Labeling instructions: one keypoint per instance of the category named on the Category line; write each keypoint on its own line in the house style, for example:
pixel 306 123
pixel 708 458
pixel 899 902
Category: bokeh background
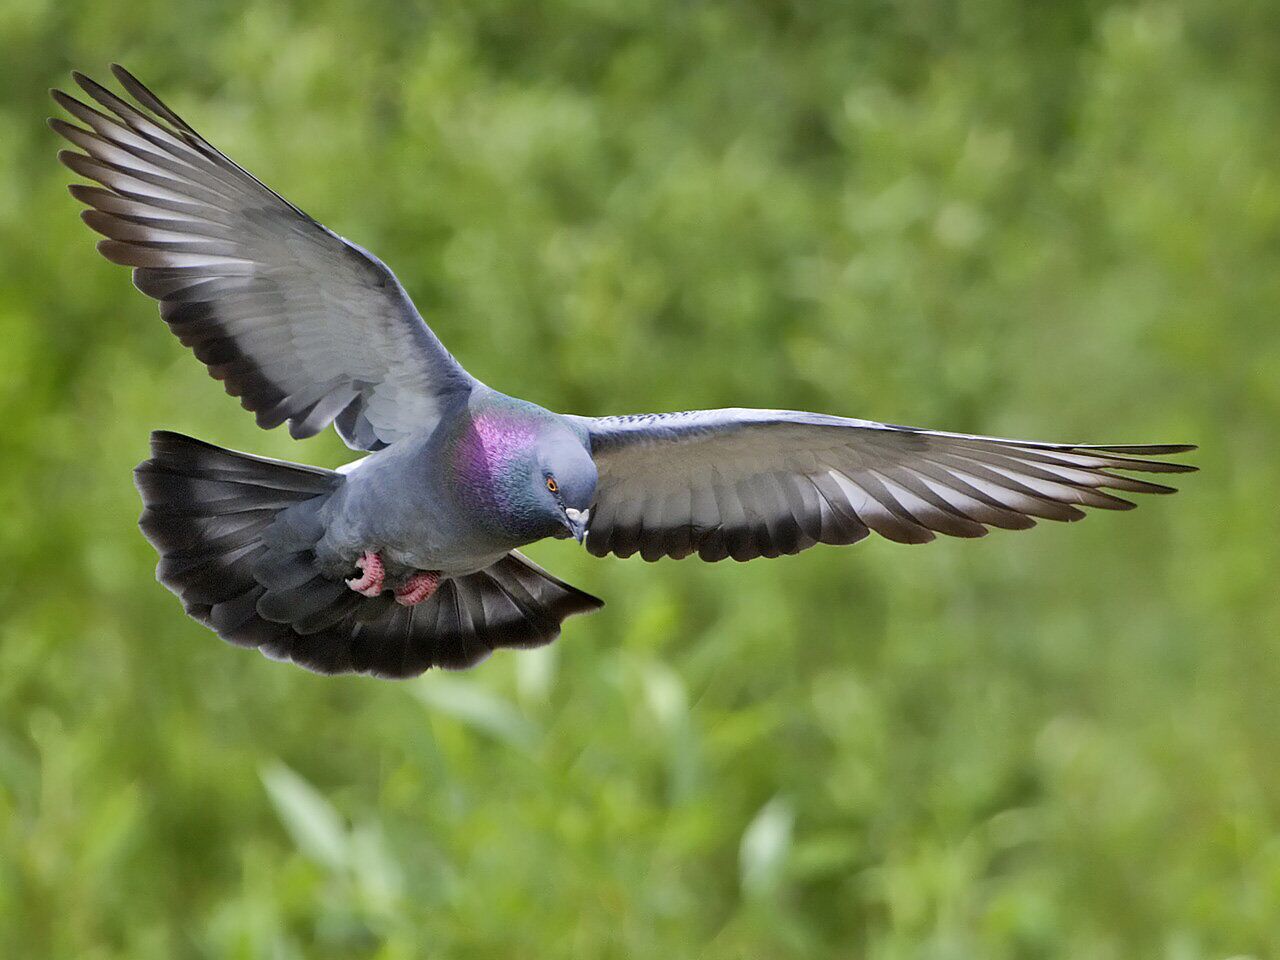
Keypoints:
pixel 1058 221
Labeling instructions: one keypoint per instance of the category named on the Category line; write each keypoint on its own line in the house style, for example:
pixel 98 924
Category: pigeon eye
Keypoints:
pixel 552 485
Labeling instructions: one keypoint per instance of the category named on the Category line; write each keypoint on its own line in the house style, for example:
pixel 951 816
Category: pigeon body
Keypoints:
pixel 458 497
pixel 409 558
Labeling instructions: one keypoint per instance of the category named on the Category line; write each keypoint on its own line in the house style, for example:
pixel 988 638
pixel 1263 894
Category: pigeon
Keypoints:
pixel 409 558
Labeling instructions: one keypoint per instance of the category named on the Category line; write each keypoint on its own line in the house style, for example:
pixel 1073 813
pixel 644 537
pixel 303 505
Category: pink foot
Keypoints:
pixel 370 584
pixel 417 588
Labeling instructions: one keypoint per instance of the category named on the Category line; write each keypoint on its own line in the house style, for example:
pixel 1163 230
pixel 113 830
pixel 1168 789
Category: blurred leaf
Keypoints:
pixel 536 673
pixel 316 827
pixel 375 869
pixel 477 707
pixel 766 843
pixel 665 694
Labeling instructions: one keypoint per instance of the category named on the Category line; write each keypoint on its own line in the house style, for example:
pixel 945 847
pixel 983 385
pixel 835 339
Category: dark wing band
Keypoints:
pixel 752 483
pixel 298 323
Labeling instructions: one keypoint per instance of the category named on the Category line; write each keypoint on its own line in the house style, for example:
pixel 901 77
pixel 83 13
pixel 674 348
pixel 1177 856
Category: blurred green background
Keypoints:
pixel 1059 221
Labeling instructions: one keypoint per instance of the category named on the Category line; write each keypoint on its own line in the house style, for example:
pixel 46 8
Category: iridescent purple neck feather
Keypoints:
pixel 501 457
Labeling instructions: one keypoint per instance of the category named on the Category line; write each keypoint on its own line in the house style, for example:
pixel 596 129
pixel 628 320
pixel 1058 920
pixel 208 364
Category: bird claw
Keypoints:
pixel 417 588
pixel 373 573
pixel 372 580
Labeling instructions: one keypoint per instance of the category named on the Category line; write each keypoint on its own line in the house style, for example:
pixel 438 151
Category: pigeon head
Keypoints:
pixel 527 472
pixel 563 480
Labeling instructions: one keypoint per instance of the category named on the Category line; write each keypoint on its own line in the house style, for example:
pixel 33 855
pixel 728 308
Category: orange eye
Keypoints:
pixel 552 485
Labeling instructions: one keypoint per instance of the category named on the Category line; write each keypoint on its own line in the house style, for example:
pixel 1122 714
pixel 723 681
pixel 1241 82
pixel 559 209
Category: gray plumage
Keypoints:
pixel 238 536
pixel 309 329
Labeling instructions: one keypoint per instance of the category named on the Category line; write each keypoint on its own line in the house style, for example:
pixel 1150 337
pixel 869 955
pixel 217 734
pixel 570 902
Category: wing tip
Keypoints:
pixel 84 192
pixel 1157 449
pixel 89 85
pixel 63 99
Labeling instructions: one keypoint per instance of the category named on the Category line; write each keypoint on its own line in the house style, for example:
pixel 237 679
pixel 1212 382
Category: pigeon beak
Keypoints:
pixel 576 521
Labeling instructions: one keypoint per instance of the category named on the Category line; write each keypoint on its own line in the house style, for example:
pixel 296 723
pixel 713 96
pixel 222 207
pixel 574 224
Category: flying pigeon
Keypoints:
pixel 409 558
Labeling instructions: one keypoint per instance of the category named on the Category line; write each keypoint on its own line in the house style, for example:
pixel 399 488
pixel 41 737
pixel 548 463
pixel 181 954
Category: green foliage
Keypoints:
pixel 1049 220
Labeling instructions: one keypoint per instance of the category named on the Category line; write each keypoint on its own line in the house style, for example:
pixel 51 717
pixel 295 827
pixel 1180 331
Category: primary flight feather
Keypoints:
pixel 410 557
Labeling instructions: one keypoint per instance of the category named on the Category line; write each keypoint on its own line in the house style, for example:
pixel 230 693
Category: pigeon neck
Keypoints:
pixel 492 457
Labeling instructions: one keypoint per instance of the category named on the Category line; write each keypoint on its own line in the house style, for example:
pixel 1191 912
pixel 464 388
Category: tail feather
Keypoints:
pixel 236 536
pixel 209 512
pixel 513 603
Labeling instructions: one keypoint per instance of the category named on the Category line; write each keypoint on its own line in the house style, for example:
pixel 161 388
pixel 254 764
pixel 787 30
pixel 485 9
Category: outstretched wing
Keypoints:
pixel 752 483
pixel 300 324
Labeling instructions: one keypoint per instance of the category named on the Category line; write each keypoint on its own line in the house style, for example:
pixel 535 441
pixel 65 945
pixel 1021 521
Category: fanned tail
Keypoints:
pixel 236 536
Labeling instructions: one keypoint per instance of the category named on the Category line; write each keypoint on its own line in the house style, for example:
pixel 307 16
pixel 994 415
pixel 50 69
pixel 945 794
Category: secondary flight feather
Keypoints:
pixel 410 558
